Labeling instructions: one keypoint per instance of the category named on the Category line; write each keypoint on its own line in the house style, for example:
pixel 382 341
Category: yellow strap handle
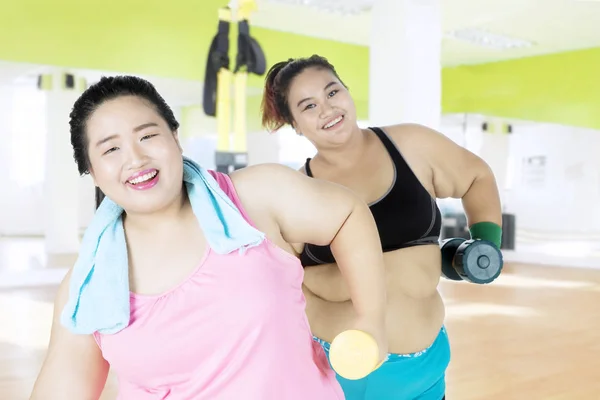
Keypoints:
pixel 245 8
pixel 224 77
pixel 239 124
pixel 225 14
pixel 223 108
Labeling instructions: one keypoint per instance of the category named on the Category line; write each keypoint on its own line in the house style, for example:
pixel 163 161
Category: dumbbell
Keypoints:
pixel 475 260
pixel 354 354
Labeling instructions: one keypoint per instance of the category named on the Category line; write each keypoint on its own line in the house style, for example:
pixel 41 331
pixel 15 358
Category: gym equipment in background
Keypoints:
pixel 231 151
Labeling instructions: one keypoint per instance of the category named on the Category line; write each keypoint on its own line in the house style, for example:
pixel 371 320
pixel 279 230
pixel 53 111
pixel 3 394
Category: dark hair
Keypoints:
pixel 274 107
pixel 109 88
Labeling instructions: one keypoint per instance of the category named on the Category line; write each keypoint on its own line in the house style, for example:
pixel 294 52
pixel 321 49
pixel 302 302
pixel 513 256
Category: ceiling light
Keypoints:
pixel 484 38
pixel 344 7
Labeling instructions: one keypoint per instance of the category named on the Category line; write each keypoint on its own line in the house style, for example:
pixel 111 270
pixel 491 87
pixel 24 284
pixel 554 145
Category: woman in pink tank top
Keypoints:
pixel 205 325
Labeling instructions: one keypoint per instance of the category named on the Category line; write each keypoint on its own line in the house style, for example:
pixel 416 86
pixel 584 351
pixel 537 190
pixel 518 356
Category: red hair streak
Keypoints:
pixel 272 120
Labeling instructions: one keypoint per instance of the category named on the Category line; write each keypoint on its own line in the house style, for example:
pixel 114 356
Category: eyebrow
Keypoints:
pixel 144 126
pixel 106 139
pixel 330 84
pixel 135 130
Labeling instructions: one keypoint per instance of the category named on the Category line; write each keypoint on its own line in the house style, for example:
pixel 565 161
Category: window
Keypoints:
pixel 28 144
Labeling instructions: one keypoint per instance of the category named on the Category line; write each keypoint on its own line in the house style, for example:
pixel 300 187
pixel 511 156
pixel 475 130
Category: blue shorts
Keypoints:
pixel 413 376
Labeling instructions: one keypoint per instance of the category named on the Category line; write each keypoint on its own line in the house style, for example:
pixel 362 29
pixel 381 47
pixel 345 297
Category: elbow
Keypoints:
pixel 355 220
pixel 482 178
pixel 489 179
pixel 486 177
pixel 482 185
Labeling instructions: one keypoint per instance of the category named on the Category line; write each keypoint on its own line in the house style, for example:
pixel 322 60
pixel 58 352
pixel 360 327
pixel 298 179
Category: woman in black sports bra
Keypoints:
pixel 399 171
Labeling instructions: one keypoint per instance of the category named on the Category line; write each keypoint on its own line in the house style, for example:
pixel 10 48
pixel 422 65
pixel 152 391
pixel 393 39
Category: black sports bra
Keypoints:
pixel 406 215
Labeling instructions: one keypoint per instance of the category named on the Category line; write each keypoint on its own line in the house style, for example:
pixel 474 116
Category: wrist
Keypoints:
pixel 374 326
pixel 373 323
pixel 487 231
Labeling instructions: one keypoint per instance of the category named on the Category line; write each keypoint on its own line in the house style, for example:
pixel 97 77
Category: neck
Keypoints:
pixel 346 155
pixel 167 219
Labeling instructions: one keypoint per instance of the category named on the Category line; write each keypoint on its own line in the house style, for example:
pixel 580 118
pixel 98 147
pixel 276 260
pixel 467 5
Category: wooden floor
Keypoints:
pixel 533 335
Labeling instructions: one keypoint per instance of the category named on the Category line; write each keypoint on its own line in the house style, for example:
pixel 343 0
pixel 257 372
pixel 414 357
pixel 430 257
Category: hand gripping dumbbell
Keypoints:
pixel 476 260
pixel 354 354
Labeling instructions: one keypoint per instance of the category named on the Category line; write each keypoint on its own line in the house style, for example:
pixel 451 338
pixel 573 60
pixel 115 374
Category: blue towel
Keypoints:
pixel 99 287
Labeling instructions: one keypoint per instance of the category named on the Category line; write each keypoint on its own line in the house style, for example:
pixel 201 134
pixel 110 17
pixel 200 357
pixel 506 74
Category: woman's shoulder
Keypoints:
pixel 263 175
pixel 408 130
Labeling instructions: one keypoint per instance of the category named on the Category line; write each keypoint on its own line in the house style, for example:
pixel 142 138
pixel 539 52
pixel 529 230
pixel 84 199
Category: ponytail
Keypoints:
pixel 272 115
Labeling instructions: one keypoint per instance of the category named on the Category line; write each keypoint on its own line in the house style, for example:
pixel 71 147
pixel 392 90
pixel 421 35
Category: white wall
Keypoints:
pixel 551 179
pixel 22 160
pixel 21 209
pixel 561 194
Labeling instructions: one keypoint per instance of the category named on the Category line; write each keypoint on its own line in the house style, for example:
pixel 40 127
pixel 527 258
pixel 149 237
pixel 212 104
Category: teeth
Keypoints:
pixel 332 123
pixel 143 178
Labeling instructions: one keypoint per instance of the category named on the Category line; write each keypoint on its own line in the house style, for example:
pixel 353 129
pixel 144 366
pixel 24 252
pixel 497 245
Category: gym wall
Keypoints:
pixel 172 39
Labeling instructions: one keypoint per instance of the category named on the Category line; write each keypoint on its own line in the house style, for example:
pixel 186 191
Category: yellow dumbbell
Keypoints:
pixel 354 354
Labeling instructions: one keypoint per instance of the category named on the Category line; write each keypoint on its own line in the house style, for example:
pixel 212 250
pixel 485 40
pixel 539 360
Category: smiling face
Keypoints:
pixel 322 109
pixel 135 158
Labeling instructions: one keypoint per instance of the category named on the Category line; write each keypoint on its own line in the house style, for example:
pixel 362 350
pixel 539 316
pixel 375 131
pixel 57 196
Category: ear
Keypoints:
pixel 176 137
pixel 93 177
pixel 295 127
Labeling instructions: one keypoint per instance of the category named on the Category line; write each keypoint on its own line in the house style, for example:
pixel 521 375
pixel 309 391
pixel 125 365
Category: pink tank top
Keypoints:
pixel 236 328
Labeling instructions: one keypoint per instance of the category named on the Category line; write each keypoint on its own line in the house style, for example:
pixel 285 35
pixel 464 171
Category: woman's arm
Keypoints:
pixel 74 367
pixel 457 172
pixel 313 211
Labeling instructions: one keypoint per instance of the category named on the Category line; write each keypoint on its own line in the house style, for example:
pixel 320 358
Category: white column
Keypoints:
pixel 61 205
pixel 494 149
pixel 6 115
pixel 404 62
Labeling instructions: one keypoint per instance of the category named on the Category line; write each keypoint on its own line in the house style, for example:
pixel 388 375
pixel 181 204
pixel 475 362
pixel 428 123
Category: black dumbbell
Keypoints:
pixel 475 260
